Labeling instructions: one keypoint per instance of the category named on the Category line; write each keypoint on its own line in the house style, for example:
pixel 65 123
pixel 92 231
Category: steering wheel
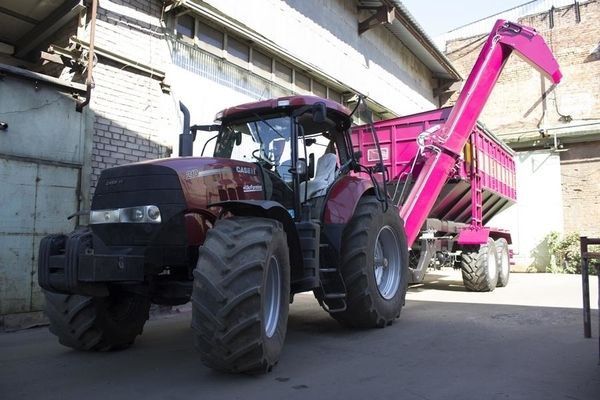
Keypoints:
pixel 263 159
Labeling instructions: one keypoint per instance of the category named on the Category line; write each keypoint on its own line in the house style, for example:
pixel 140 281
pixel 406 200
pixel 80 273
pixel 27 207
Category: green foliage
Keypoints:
pixel 565 254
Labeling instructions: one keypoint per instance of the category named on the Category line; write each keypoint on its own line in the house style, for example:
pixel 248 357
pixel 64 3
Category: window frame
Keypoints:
pixel 250 66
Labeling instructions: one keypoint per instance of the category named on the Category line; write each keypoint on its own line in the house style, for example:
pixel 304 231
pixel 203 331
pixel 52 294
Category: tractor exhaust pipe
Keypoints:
pixel 186 139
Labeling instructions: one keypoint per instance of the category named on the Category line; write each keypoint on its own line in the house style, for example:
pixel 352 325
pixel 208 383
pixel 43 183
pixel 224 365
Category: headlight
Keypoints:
pixel 129 215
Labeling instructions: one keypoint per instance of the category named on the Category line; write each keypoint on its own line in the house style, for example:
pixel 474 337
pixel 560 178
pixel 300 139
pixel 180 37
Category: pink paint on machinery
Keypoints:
pixel 443 148
pixel 483 174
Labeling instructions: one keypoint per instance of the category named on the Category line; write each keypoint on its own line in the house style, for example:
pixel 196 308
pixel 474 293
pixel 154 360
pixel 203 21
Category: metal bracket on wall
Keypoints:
pixel 383 15
pixel 142 67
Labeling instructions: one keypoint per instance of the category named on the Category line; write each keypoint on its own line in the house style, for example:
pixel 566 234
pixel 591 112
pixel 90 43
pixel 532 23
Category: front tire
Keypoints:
pixel 374 266
pixel 97 323
pixel 241 292
pixel 479 268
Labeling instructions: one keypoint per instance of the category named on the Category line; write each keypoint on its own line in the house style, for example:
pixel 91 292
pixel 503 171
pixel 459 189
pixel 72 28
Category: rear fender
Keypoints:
pixel 339 208
pixel 343 198
pixel 272 210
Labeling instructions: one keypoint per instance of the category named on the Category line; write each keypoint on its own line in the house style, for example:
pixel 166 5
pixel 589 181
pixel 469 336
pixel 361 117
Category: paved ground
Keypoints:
pixel 520 342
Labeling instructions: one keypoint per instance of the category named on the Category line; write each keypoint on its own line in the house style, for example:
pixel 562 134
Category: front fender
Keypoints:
pixel 272 210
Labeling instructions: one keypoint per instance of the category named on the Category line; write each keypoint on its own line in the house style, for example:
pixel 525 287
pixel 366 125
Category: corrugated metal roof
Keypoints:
pixel 24 23
pixel 406 28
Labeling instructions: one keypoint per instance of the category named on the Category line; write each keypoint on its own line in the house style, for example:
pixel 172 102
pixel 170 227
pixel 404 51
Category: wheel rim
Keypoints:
pixel 505 262
pixel 272 297
pixel 492 265
pixel 387 263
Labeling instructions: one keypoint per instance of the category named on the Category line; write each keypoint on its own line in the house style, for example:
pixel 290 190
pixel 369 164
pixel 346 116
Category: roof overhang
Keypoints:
pixel 25 24
pixel 408 31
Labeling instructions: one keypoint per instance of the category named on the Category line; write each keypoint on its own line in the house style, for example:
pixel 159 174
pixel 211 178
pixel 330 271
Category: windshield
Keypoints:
pixel 267 141
pixel 264 140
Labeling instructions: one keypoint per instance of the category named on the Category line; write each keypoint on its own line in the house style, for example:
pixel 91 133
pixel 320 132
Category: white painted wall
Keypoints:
pixel 324 33
pixel 538 210
pixel 204 98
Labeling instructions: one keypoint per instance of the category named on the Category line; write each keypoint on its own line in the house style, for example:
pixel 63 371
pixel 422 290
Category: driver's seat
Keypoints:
pixel 324 177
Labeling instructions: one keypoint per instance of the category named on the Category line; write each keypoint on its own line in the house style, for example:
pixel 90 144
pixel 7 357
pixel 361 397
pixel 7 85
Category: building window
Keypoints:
pixel 185 26
pixel 335 96
pixel 217 41
pixel 302 81
pixel 283 72
pixel 262 61
pixel 319 89
pixel 211 36
pixel 238 49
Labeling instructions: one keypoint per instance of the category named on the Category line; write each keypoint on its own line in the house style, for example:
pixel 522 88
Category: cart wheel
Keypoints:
pixel 479 268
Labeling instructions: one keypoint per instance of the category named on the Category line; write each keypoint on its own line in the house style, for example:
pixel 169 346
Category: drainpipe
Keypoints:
pixel 89 80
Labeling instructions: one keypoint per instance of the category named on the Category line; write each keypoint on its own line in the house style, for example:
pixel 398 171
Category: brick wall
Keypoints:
pixel 134 119
pixel 512 107
pixel 580 174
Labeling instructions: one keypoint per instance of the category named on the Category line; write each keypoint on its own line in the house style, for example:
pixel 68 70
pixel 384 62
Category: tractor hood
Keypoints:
pixel 181 188
pixel 200 180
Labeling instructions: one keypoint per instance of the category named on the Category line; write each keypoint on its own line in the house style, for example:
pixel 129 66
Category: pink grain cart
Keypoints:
pixel 449 175
pixel 484 176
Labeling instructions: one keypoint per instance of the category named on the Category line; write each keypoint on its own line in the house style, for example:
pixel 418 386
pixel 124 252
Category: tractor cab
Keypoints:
pixel 300 145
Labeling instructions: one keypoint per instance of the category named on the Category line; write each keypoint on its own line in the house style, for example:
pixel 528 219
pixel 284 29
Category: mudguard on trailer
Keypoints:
pixel 479 236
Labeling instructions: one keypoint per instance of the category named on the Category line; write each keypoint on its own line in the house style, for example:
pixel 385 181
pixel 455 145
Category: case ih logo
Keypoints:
pixel 245 170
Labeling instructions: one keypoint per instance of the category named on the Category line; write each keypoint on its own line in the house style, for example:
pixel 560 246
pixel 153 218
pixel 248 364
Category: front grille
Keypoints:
pixel 136 185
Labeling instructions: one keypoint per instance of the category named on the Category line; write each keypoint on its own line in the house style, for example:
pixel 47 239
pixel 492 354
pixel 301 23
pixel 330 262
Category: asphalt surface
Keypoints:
pixel 520 342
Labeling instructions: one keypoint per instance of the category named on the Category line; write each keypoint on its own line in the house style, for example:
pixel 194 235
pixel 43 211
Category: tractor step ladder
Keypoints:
pixel 332 287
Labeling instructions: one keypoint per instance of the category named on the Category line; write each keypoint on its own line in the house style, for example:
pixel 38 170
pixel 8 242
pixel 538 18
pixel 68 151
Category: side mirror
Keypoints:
pixel 301 168
pixel 319 113
pixel 238 138
pixel 311 165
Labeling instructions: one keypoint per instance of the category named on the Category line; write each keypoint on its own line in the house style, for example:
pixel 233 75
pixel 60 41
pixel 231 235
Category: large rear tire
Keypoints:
pixel 374 266
pixel 97 323
pixel 503 261
pixel 241 294
pixel 479 268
